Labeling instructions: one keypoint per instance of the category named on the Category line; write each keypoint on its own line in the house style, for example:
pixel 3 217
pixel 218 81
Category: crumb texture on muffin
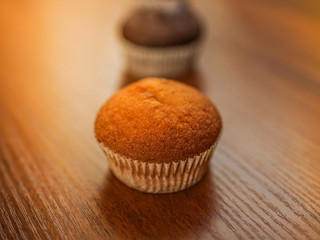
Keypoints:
pixel 158 120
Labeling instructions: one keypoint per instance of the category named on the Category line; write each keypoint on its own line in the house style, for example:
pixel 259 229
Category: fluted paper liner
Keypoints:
pixel 171 61
pixel 158 177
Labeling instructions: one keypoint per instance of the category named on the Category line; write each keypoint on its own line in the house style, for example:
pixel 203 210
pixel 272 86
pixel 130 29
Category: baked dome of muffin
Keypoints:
pixel 158 120
pixel 155 27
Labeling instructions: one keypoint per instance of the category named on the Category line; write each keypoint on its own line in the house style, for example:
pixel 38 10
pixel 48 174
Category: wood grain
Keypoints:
pixel 260 64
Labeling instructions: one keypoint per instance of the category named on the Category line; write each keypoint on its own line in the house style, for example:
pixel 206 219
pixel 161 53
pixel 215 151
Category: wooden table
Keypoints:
pixel 260 64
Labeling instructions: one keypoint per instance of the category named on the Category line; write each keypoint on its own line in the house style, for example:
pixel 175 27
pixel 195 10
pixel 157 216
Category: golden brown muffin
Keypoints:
pixel 159 122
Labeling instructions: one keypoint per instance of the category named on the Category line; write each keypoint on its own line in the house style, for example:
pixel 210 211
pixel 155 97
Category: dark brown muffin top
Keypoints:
pixel 158 120
pixel 156 27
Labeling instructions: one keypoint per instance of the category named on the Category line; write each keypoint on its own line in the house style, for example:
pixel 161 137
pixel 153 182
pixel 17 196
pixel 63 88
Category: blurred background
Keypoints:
pixel 75 42
pixel 69 51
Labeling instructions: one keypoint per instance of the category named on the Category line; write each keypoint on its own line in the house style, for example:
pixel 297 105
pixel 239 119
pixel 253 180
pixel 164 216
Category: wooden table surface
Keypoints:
pixel 260 64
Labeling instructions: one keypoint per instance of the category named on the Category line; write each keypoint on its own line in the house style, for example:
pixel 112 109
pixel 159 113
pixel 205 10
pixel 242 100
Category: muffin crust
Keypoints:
pixel 158 120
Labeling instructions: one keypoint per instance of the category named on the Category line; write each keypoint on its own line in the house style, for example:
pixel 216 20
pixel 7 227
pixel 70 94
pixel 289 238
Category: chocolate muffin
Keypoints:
pixel 160 28
pixel 161 41
pixel 158 134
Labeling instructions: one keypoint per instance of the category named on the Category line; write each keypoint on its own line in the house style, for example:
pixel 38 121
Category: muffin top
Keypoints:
pixel 155 27
pixel 158 120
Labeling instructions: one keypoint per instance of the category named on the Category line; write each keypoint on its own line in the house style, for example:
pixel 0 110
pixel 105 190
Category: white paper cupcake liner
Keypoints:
pixel 158 177
pixel 168 62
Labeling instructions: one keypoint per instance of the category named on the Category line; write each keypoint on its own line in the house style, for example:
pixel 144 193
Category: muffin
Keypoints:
pixel 160 40
pixel 158 134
